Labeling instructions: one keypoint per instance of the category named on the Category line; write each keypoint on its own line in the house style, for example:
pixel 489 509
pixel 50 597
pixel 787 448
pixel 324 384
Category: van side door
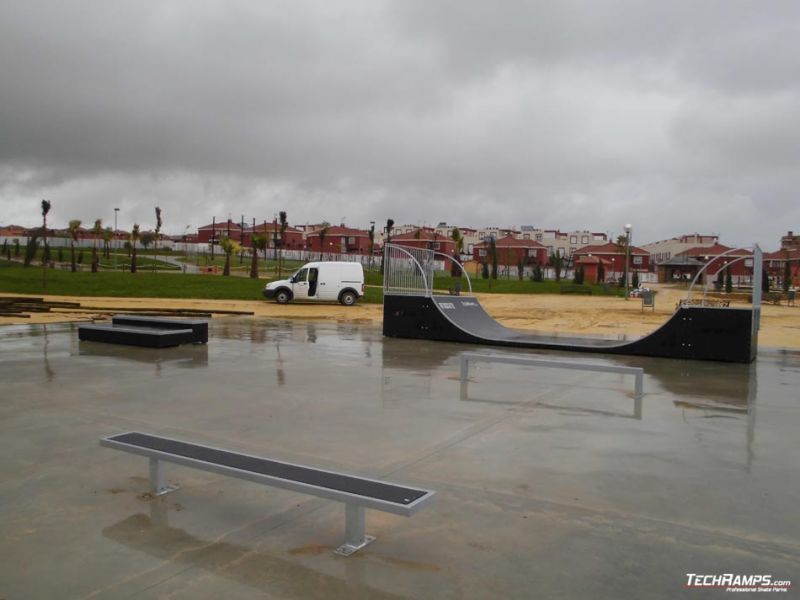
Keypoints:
pixel 300 285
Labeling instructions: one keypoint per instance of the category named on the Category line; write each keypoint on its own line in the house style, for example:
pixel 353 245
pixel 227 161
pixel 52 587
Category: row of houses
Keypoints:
pixel 677 258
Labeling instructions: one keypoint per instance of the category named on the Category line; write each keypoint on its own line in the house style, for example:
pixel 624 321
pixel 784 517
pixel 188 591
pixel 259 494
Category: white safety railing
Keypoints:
pixel 408 270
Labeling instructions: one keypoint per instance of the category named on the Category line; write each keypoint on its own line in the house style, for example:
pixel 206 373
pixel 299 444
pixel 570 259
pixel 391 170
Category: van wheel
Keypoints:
pixel 348 298
pixel 282 297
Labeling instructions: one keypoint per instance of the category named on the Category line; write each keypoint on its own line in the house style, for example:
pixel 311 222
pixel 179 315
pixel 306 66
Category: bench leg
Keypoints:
pixel 354 537
pixel 158 479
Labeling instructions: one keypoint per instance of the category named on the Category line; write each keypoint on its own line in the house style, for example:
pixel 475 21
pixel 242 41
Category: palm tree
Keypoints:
pixel 158 231
pixel 135 235
pixel 284 225
pixel 458 240
pixel 45 210
pixel 97 231
pixel 322 233
pixel 230 247
pixel 259 242
pixel 371 243
pixel 388 240
pixel 74 230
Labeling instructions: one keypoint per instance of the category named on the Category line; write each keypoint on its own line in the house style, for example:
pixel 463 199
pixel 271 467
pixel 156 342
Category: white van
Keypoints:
pixel 322 282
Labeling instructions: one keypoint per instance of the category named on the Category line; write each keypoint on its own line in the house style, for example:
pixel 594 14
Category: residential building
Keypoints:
pixel 293 238
pixel 790 241
pixel 339 240
pixel 664 250
pixel 511 251
pixel 740 261
pixel 426 237
pixel 216 230
pixel 613 256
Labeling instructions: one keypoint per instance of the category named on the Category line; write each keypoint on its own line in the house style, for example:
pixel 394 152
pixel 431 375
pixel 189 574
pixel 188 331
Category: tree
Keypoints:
pixel 108 235
pixel 579 275
pixel 520 269
pixel 322 233
pixel 229 247
pixel 728 280
pixel 493 256
pixel 485 270
pixel 601 272
pixel 135 235
pixel 388 240
pixel 371 234
pixel 635 281
pixel 764 281
pixel 458 241
pixel 30 248
pixel 97 231
pixel 284 224
pixel 157 234
pixel 787 275
pixel 46 254
pixel 16 247
pixel 147 239
pixel 74 231
pixel 557 262
pixel 259 242
pixel 537 274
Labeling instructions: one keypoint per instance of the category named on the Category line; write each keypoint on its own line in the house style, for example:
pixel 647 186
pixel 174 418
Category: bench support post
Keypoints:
pixel 354 536
pixel 158 479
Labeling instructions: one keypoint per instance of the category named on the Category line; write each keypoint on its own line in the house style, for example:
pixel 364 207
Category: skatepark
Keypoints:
pixel 546 480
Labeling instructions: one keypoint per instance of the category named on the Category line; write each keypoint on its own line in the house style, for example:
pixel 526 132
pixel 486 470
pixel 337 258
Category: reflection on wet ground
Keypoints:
pixel 553 481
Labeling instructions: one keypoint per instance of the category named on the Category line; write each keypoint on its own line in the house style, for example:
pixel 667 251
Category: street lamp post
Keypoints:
pixel 628 228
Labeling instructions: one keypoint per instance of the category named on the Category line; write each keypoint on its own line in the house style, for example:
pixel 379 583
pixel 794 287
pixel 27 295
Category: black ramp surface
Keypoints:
pixel 699 333
pixel 467 313
pixel 343 483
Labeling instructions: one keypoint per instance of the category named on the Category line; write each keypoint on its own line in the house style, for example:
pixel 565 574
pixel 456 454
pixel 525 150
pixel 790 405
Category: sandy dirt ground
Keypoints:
pixel 604 316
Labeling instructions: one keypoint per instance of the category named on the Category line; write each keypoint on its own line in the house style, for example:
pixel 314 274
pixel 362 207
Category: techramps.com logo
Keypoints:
pixel 737 583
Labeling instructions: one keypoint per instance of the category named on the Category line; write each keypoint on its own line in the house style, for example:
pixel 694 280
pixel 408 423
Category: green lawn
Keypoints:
pixel 443 281
pixel 144 284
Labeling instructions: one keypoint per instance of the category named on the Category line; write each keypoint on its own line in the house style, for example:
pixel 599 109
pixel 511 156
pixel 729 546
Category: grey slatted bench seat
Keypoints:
pixel 357 493
pixel 135 336
pixel 198 326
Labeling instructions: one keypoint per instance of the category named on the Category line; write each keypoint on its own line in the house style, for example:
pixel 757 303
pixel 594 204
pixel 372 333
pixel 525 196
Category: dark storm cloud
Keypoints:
pixel 676 116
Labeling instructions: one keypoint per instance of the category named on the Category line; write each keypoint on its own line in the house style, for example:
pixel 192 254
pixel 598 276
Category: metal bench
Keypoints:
pixel 357 493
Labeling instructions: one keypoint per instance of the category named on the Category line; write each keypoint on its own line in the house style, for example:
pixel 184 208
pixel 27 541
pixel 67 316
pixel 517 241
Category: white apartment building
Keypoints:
pixel 664 250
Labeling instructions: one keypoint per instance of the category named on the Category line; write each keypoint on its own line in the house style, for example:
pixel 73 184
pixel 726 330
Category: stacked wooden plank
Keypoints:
pixel 23 306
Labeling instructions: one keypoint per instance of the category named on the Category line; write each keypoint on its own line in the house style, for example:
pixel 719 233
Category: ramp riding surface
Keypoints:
pixel 692 332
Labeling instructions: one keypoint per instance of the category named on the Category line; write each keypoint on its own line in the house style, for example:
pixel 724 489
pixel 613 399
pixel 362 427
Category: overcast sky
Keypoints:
pixel 674 116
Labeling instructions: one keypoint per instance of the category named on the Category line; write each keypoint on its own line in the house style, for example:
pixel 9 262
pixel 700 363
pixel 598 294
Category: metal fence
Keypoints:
pixel 407 270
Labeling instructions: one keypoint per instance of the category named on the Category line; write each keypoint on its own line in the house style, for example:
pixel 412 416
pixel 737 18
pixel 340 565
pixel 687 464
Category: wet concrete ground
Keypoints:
pixel 551 483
